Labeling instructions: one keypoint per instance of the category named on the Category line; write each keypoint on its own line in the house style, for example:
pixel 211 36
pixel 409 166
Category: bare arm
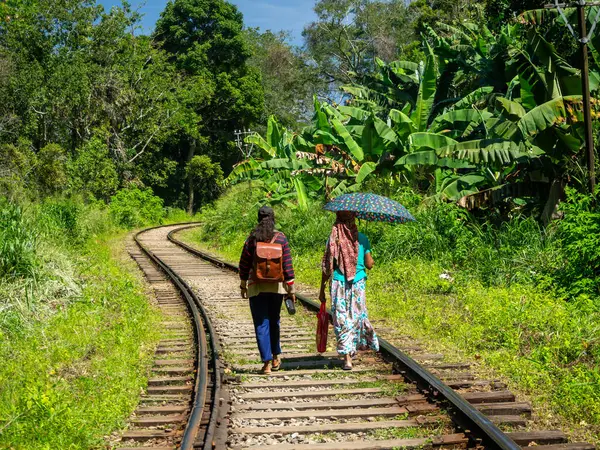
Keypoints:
pixel 369 261
pixel 322 296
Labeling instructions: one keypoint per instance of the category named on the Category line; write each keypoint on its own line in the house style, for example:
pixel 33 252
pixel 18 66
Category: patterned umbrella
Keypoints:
pixel 374 208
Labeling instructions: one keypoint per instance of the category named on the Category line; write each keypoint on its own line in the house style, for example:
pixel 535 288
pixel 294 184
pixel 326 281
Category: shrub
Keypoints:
pixel 93 171
pixel 134 207
pixel 16 163
pixel 17 243
pixel 51 169
pixel 579 236
pixel 59 217
pixel 207 179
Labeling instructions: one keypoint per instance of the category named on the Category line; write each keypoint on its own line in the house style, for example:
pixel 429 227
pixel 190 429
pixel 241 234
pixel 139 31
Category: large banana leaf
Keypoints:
pixel 372 143
pixel 455 189
pixel 358 114
pixel 346 138
pixel 301 193
pixel 366 169
pixel 267 150
pixel 274 132
pixel 459 119
pixel 514 111
pixel 426 96
pixel 409 66
pixel 326 138
pixel 385 133
pixel 403 125
pixel 430 158
pixel 245 170
pixel 320 117
pixel 430 140
pixel 286 164
pixel 489 151
pixel 549 114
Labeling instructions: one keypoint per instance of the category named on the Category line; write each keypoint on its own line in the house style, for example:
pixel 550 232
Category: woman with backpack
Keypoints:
pixel 346 259
pixel 267 275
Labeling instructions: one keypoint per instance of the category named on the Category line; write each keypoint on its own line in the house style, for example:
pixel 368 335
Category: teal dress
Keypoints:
pixel 349 309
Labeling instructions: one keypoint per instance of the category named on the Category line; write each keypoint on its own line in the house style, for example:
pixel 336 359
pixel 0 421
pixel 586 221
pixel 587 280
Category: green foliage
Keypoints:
pixel 134 207
pixel 207 179
pixel 579 235
pixel 75 357
pixel 93 171
pixel 51 169
pixel 17 243
pixel 204 41
pixel 17 164
pixel 289 81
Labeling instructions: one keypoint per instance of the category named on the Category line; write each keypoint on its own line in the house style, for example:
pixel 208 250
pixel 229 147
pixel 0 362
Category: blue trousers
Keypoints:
pixel 266 312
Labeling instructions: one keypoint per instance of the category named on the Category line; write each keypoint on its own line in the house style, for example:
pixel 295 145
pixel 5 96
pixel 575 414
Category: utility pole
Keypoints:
pixel 583 39
pixel 240 141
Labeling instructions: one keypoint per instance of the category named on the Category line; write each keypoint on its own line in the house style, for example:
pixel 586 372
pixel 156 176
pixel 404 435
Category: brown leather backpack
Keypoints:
pixel 268 262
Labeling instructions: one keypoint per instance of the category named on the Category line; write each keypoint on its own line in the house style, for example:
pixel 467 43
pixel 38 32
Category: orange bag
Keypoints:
pixel 322 328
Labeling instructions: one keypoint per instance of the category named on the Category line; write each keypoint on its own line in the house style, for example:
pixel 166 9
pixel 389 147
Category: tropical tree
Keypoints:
pixel 220 93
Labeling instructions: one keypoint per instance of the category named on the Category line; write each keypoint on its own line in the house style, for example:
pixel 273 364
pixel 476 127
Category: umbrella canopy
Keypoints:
pixel 374 208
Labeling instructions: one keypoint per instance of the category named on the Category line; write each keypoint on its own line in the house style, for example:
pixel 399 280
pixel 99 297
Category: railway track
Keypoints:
pixel 205 390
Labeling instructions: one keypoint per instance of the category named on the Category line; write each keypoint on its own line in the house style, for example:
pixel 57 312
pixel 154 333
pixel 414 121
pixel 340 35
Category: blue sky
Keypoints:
pixel 275 15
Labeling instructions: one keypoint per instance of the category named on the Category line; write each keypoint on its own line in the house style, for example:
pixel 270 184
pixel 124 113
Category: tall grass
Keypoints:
pixel 76 331
pixel 17 243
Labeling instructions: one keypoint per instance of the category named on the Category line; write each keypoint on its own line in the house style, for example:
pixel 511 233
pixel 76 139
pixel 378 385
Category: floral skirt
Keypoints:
pixel 350 319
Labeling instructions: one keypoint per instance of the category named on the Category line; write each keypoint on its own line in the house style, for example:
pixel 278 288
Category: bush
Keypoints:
pixel 51 169
pixel 579 235
pixel 134 207
pixel 207 179
pixel 17 243
pixel 59 217
pixel 94 171
pixel 15 169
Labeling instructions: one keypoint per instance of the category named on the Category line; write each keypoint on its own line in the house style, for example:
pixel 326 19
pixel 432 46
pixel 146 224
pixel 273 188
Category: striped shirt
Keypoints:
pixel 247 258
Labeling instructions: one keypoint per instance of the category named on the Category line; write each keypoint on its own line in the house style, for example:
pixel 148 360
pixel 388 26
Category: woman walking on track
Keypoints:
pixel 347 256
pixel 267 274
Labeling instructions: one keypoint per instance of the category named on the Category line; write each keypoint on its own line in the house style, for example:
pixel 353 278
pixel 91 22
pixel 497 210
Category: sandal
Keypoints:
pixel 266 369
pixel 347 362
pixel 276 367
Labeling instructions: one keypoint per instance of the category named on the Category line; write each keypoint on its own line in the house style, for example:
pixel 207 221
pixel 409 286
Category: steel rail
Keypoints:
pixel 201 386
pixel 215 344
pixel 474 424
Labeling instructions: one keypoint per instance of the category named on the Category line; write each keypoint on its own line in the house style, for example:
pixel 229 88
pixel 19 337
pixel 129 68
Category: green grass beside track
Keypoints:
pixel 75 358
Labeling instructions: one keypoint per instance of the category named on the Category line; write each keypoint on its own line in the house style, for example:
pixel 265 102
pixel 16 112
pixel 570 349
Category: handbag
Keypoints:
pixel 322 328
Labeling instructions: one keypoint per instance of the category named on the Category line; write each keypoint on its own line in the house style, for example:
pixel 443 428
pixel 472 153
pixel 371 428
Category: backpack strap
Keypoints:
pixel 275 236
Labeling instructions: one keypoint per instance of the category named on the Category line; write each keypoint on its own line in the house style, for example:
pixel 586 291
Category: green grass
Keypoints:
pixel 76 339
pixel 500 308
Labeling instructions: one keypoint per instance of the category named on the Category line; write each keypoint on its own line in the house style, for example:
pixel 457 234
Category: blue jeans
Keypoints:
pixel 266 312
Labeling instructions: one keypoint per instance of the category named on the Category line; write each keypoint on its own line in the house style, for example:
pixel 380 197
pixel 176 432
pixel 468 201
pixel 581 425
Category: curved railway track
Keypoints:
pixel 202 396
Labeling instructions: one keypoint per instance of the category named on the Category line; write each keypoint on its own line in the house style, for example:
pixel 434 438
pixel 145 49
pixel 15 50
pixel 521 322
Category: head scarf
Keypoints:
pixel 342 247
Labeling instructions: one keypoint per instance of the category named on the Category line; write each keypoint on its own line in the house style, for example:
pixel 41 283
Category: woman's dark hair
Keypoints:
pixel 265 230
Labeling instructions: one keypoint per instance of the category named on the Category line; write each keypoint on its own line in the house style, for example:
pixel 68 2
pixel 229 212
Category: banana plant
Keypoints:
pixel 282 173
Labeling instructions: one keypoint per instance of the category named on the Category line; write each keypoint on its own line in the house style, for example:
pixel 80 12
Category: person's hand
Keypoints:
pixel 244 292
pixel 322 297
pixel 293 297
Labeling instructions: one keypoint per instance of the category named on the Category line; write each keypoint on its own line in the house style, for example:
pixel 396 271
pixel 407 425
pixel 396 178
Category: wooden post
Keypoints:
pixel 581 5
pixel 585 87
